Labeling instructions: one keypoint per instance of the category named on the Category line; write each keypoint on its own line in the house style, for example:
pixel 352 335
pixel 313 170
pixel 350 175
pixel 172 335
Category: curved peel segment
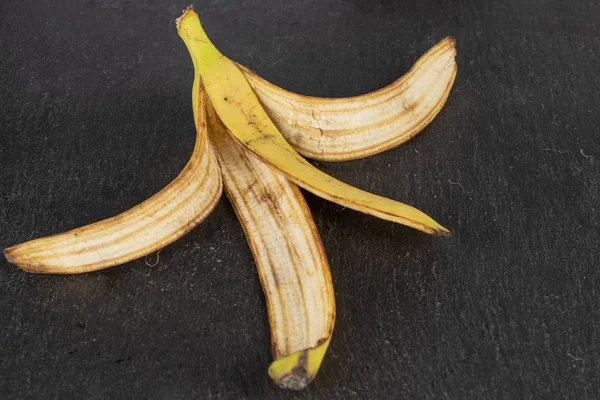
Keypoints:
pixel 356 127
pixel 238 107
pixel 289 256
pixel 145 228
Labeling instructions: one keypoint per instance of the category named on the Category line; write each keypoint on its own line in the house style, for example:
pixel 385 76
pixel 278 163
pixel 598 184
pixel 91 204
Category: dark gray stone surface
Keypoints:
pixel 95 117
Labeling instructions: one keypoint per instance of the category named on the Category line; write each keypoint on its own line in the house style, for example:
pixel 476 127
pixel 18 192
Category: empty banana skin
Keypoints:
pixel 349 128
pixel 145 228
pixel 248 136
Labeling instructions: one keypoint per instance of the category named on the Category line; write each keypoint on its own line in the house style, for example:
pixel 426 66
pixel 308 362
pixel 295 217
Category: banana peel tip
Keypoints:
pixel 14 259
pixel 443 234
pixel 7 254
pixel 298 369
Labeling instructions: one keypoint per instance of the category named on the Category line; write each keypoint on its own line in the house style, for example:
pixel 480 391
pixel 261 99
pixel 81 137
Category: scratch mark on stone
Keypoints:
pixel 556 151
pixel 583 154
pixel 462 187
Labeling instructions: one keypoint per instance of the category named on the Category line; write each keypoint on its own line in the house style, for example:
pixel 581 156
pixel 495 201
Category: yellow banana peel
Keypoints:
pixel 137 232
pixel 289 255
pixel 356 127
pixel 248 132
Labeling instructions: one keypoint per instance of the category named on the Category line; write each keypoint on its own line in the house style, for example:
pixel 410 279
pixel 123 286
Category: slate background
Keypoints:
pixel 95 117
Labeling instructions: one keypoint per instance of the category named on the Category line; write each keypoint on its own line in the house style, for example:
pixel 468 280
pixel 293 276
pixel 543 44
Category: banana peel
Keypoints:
pixel 356 127
pixel 289 255
pixel 248 132
pixel 137 232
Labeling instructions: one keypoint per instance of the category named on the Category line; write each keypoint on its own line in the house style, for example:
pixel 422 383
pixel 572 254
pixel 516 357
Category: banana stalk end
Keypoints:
pixel 298 369
pixel 189 9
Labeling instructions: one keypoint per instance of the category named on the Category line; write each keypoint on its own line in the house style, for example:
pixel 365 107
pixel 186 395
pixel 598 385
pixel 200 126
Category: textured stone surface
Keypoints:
pixel 95 117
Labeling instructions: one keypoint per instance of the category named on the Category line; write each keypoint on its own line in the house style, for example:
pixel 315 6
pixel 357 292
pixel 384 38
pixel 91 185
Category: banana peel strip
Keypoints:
pixel 289 255
pixel 341 129
pixel 139 231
